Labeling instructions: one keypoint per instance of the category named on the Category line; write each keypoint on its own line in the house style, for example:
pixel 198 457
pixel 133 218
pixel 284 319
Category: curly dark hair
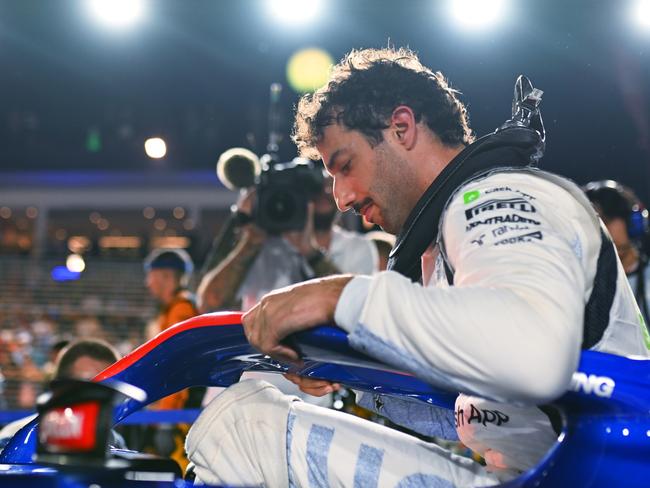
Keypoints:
pixel 365 88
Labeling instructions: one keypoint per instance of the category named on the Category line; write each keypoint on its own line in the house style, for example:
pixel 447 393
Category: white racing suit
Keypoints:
pixel 523 247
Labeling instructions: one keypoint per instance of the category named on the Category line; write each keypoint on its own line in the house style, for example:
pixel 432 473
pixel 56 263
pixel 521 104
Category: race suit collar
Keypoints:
pixel 513 147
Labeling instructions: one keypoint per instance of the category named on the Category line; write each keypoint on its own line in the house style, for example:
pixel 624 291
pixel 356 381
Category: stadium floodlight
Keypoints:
pixel 641 13
pixel 117 13
pixel 155 148
pixel 294 11
pixel 477 13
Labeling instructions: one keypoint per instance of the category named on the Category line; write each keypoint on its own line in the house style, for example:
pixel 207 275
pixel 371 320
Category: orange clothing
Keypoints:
pixel 181 308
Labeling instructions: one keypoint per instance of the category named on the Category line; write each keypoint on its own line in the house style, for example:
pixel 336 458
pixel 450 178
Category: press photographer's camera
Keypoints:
pixel 283 189
pixel 283 192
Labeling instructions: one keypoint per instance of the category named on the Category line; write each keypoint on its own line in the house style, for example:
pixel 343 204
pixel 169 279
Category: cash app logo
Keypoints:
pixel 470 196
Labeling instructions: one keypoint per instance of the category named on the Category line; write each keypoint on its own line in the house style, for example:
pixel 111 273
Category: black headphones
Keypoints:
pixel 616 200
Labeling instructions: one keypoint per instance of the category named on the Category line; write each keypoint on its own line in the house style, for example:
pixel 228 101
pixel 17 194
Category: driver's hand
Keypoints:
pixel 251 236
pixel 287 310
pixel 311 386
pixel 246 200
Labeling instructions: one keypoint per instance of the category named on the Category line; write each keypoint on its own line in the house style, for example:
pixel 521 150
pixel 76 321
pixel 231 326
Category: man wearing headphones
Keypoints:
pixel 168 272
pixel 626 219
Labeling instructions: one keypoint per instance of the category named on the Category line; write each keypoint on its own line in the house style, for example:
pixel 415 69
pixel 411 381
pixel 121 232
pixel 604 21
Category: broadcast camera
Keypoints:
pixel 283 189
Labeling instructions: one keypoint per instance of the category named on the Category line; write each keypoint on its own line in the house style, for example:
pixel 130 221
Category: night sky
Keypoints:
pixel 198 72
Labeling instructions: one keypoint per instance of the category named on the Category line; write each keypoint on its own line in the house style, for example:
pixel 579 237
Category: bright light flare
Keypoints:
pixel 641 13
pixel 75 263
pixel 477 13
pixel 155 148
pixel 117 13
pixel 308 69
pixel 294 11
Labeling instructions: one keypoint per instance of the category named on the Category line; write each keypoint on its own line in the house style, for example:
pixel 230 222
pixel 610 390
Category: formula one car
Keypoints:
pixel 604 442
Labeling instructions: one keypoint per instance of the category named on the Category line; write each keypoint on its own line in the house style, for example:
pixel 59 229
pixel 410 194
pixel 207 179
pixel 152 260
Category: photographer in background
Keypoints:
pixel 626 219
pixel 286 234
pixel 268 254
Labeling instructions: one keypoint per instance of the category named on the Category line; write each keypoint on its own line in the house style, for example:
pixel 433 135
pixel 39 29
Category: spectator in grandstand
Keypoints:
pixel 8 370
pixel 49 368
pixel 89 327
pixel 22 375
pixel 43 331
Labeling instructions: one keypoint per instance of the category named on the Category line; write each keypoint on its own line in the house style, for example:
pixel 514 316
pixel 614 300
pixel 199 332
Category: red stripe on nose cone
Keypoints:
pixel 216 319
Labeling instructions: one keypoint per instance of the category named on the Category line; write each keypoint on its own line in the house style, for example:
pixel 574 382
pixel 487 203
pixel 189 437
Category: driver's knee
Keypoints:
pixel 243 403
pixel 242 422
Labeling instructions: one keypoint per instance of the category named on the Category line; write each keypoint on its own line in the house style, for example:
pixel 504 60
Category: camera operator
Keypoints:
pixel 260 262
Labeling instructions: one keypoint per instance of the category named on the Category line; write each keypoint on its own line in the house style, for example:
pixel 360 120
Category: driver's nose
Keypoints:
pixel 343 195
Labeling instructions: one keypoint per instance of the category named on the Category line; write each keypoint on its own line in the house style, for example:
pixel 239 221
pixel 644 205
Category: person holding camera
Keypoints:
pixel 262 261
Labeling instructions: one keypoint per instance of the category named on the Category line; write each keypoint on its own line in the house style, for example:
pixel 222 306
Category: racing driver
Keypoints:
pixel 500 275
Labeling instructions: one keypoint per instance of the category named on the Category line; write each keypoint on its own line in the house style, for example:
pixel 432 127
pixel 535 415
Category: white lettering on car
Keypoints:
pixel 601 386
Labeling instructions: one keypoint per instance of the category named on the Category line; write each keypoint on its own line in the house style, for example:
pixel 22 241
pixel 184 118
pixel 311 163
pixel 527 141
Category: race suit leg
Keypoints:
pixel 253 435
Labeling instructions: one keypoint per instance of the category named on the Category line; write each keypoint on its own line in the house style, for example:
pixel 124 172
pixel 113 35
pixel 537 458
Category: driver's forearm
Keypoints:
pixel 460 339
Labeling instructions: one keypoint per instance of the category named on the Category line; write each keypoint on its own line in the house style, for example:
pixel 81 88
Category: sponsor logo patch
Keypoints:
pixel 480 416
pixel 507 188
pixel 70 429
pixel 601 386
pixel 519 204
pixel 478 241
pixel 470 196
pixel 502 219
pixel 504 229
pixel 531 236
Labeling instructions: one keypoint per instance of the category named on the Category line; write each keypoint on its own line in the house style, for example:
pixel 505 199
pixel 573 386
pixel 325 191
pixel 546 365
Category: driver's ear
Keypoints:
pixel 404 126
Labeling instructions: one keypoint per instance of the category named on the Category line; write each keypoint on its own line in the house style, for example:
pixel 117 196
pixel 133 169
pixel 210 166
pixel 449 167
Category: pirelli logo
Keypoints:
pixel 519 204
